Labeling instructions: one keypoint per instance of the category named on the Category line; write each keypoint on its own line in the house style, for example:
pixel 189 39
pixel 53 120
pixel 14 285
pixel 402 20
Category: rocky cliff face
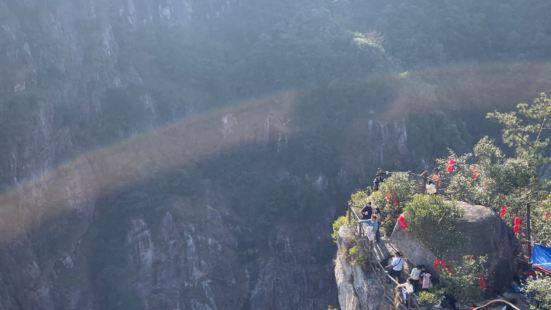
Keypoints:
pixel 358 288
pixel 163 155
pixel 161 217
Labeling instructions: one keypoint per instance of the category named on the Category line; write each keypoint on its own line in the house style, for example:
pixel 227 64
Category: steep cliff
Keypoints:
pixel 358 288
pixel 191 154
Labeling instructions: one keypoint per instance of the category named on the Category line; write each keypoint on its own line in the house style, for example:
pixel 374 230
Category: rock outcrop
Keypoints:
pixel 483 232
pixel 359 289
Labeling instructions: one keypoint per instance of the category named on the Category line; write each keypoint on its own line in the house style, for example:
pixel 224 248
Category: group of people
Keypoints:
pixel 419 277
pixel 370 222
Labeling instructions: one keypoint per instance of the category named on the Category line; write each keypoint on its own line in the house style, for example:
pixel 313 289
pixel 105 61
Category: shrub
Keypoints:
pixel 539 289
pixel 387 225
pixel 541 223
pixel 356 254
pixel 337 225
pixel 463 281
pixel 432 297
pixel 359 199
pixel 434 223
pixel 400 188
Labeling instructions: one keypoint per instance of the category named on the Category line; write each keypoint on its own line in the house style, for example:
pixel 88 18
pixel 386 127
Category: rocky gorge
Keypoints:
pixel 174 155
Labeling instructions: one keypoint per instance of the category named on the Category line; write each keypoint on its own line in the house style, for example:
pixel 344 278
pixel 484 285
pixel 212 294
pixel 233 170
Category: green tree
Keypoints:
pixel 489 177
pixel 526 130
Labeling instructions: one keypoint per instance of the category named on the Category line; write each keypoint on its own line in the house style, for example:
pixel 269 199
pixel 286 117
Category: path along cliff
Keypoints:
pixel 363 284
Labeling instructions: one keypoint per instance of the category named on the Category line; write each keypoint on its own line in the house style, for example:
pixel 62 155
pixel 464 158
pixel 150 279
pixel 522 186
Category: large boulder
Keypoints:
pixel 484 233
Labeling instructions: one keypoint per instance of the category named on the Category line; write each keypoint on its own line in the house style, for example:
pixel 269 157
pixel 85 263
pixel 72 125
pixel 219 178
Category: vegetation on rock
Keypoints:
pixel 464 280
pixel 540 291
pixel 356 254
pixel 430 298
pixel 434 223
pixel 341 220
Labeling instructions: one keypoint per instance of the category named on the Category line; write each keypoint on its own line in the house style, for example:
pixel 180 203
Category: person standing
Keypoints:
pixel 426 281
pixel 378 231
pixel 407 291
pixel 376 182
pixel 415 275
pixel 396 265
pixel 367 211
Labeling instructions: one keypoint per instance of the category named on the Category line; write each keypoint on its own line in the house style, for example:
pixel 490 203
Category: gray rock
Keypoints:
pixel 484 233
pixel 358 289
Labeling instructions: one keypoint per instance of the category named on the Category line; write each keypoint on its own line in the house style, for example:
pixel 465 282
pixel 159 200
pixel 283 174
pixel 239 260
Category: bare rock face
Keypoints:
pixel 484 233
pixel 358 288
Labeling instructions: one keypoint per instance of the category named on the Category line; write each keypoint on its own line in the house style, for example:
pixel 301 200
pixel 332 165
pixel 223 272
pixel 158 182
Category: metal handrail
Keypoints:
pixel 491 302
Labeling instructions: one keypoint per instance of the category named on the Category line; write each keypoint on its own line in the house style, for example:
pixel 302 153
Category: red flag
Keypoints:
pixel 503 211
pixel 436 263
pixel 516 227
pixel 482 282
pixel 446 266
pixel 402 221
pixel 450 165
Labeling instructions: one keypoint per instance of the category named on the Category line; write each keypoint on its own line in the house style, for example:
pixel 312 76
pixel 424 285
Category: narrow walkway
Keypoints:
pixel 377 253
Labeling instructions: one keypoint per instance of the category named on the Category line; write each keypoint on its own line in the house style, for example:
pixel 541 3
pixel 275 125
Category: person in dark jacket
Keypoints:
pixel 376 183
pixel 367 211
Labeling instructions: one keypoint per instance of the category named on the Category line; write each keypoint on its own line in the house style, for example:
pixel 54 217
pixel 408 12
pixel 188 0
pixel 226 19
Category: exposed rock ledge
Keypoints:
pixel 358 289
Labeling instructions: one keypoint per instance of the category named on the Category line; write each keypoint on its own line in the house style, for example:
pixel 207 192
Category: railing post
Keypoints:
pixel 349 214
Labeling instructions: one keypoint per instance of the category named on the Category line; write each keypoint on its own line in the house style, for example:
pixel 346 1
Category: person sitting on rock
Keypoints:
pixel 367 211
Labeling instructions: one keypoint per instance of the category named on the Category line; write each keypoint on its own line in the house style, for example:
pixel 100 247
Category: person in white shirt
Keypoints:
pixel 407 290
pixel 396 265
pixel 431 188
pixel 414 275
